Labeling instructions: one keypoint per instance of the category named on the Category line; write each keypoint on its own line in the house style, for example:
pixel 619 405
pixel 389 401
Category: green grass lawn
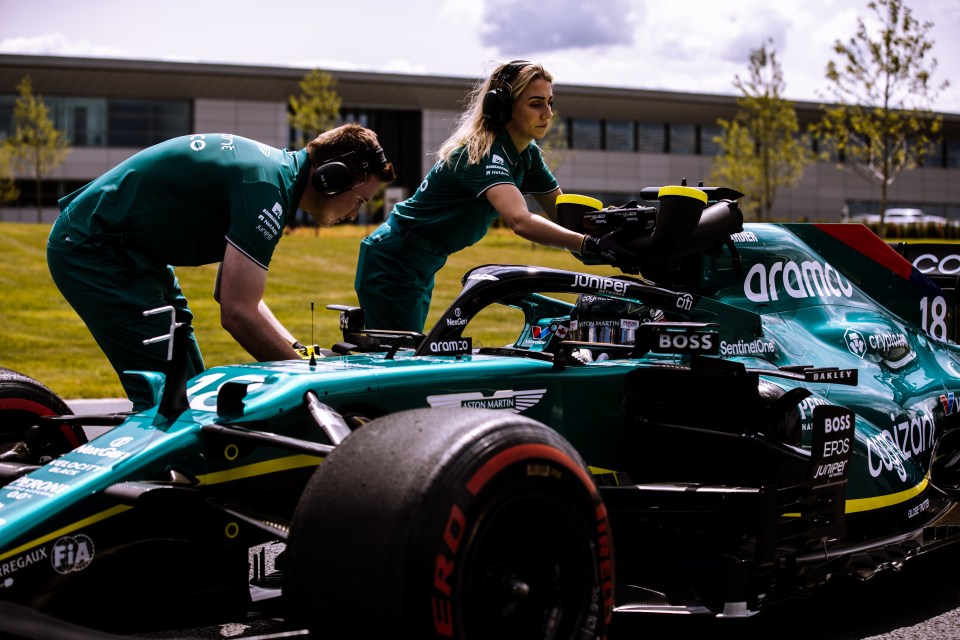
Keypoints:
pixel 42 337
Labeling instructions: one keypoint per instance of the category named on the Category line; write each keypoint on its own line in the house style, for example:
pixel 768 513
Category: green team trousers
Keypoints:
pixel 394 281
pixel 110 288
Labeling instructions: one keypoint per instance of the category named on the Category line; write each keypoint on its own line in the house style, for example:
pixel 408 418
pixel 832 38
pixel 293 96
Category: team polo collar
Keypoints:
pixel 301 160
pixel 506 143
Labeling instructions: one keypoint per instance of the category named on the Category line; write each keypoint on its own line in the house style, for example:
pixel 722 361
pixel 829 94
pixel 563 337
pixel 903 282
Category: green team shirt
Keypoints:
pixel 180 201
pixel 451 208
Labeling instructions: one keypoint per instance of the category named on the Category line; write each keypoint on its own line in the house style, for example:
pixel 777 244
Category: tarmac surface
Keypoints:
pixel 98 406
pixel 88 406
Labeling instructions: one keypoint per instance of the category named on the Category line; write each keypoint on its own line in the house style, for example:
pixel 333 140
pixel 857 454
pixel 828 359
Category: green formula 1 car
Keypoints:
pixel 741 415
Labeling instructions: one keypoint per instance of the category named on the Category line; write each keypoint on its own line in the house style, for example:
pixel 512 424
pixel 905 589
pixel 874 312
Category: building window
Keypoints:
pixel 99 122
pixel 708 147
pixel 141 123
pixel 361 118
pixel 651 138
pixel 953 153
pixel 6 116
pixel 586 134
pixel 683 139
pixel 620 136
pixel 400 135
pixel 933 155
pixel 84 120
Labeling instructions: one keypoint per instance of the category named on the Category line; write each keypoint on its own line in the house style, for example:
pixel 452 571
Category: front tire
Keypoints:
pixel 22 401
pixel 463 523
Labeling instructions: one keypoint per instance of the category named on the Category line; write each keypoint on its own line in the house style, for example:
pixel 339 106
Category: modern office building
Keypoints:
pixel 618 140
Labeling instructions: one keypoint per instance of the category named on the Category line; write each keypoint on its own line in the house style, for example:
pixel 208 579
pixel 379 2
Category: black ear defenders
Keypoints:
pixel 497 102
pixel 342 173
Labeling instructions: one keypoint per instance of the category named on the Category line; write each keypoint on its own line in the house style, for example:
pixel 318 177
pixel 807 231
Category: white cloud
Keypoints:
pixel 59 45
pixel 560 25
pixel 697 45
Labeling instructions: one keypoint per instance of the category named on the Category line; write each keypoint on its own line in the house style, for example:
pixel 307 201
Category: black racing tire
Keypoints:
pixel 22 400
pixel 451 523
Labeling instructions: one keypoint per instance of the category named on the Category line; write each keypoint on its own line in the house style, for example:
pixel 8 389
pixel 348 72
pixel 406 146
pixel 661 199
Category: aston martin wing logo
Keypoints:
pixel 509 400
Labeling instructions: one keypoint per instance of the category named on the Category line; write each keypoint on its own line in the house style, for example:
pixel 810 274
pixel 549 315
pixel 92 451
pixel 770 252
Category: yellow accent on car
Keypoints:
pixel 688 192
pixel 587 201
pixel 859 505
pixel 70 528
pixel 879 502
pixel 260 469
pixel 599 471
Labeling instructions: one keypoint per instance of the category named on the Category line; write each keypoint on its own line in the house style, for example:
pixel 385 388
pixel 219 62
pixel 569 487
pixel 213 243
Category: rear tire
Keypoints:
pixel 463 523
pixel 22 400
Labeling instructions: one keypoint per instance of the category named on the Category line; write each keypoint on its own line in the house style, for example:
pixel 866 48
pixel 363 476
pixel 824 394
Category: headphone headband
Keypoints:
pixel 336 175
pixel 508 73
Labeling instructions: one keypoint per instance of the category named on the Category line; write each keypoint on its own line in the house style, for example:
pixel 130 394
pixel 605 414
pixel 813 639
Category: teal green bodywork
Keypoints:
pixel 779 296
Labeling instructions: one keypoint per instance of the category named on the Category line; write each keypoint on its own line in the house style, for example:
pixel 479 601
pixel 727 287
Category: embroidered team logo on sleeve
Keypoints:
pixel 497 167
pixel 269 222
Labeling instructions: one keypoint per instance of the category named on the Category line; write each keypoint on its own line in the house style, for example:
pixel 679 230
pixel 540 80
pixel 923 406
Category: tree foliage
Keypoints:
pixel 881 123
pixel 8 188
pixel 555 146
pixel 36 145
pixel 760 148
pixel 317 108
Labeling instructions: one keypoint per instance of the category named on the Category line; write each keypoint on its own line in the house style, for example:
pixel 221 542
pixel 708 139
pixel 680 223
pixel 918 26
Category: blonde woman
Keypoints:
pixel 482 172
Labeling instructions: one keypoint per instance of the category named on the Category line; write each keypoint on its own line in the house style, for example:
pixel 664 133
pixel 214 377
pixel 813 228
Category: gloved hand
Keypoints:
pixel 608 248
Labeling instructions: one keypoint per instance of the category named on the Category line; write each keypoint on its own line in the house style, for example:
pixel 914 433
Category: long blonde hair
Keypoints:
pixel 471 133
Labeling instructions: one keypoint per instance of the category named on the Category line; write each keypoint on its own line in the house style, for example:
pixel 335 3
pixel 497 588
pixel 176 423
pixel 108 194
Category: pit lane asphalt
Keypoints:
pixel 98 406
pixel 920 602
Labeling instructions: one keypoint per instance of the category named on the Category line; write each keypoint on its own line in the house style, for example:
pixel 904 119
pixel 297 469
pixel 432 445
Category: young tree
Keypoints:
pixel 760 148
pixel 556 149
pixel 881 123
pixel 8 188
pixel 317 108
pixel 37 145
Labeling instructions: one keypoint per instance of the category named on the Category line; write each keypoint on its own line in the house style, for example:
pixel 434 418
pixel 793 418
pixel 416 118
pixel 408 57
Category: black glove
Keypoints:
pixel 608 248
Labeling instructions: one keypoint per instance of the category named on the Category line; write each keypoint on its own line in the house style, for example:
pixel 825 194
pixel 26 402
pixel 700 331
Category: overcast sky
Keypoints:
pixel 690 45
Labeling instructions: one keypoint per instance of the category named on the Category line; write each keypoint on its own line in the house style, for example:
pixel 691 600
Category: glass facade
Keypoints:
pixel 952 153
pixel 99 122
pixel 6 115
pixel 651 137
pixel 104 122
pixel 91 121
pixel 620 136
pixel 644 137
pixel 708 147
pixel 141 123
pixel 586 134
pixel 695 139
pixel 682 139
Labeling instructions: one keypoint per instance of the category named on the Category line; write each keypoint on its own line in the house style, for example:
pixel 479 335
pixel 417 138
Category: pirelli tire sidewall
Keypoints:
pixel 523 463
pixel 22 400
pixel 400 526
